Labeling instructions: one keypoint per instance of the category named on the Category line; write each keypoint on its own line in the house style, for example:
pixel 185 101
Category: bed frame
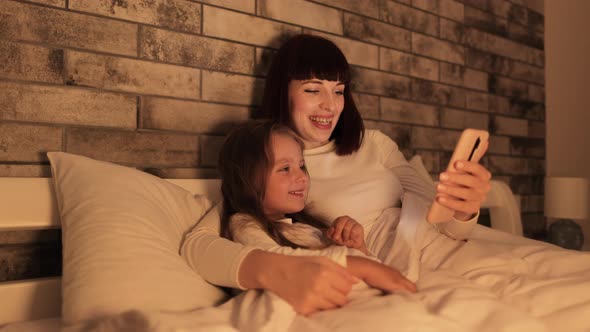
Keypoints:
pixel 29 203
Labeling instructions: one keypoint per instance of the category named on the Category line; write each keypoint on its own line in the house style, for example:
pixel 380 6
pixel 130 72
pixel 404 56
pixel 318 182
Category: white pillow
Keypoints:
pixel 418 165
pixel 121 234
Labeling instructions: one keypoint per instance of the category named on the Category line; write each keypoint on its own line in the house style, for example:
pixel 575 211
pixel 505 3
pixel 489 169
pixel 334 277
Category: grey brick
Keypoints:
pixel 536 129
pixel 56 3
pixel 498 104
pixel 430 92
pixel 184 173
pixel 409 18
pixel 499 145
pixel 519 70
pixel 409 64
pixel 400 134
pixel 498 45
pixel 39 103
pixel 248 6
pixel 457 119
pixel 380 83
pixel 28 143
pixel 29 261
pixel 451 9
pixel 536 93
pixel 132 75
pixel 527 184
pixel 438 49
pixel 476 101
pixel 228 88
pixel 509 126
pixel 246 28
pixel 356 52
pixel 528 147
pixel 486 21
pixel 508 87
pixel 134 148
pixel 536 166
pixel 196 117
pixel 434 138
pixel 476 79
pixel 32 63
pixel 362 28
pixel 210 147
pixel 451 30
pixel 263 60
pixel 316 16
pixel 427 5
pixel 196 51
pixel 367 7
pixel 525 35
pixel 20 170
pixel 26 236
pixel 408 112
pixel 40 24
pixel 532 203
pixel 368 105
pixel 173 14
pixel 452 73
pixel 501 165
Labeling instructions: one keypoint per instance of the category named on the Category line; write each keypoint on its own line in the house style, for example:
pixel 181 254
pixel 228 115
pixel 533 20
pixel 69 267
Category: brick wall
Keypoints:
pixel 156 84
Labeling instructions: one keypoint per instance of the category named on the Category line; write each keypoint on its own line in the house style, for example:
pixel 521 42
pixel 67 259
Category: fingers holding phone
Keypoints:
pixel 465 183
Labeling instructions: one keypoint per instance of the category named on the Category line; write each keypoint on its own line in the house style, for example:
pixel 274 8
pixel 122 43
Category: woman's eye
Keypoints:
pixel 284 169
pixel 340 92
pixel 303 167
pixel 311 91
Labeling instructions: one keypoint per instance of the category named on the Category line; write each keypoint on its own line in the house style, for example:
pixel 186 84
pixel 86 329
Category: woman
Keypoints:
pixel 308 89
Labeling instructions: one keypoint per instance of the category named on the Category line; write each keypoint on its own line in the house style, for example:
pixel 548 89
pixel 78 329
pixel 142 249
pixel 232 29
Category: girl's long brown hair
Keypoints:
pixel 245 160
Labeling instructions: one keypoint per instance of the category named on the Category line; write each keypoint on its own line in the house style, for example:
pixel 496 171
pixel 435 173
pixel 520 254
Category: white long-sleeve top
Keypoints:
pixel 361 185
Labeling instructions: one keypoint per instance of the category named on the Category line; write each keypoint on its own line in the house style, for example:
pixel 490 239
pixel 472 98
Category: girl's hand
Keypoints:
pixel 346 231
pixel 308 284
pixel 464 191
pixel 378 275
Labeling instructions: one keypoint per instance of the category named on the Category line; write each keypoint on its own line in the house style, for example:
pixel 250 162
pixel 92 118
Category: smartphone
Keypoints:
pixel 471 147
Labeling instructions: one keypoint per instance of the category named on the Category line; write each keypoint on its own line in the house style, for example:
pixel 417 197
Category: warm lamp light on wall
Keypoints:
pixel 566 199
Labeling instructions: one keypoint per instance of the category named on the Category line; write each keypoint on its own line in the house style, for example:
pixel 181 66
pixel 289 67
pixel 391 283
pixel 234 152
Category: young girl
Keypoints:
pixel 264 187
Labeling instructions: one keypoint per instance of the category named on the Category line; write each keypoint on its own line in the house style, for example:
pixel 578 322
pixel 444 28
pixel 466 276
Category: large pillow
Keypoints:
pixel 121 234
pixel 418 165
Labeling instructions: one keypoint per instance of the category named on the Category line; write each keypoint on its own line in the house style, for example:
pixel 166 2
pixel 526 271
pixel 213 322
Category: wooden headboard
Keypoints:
pixel 29 203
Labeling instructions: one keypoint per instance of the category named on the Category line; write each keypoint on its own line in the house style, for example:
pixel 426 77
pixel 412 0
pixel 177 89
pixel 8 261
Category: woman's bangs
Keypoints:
pixel 322 63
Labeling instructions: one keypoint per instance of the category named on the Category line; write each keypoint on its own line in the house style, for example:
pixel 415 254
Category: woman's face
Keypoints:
pixel 315 107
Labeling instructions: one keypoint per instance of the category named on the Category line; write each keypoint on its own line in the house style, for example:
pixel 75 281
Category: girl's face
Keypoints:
pixel 287 182
pixel 315 107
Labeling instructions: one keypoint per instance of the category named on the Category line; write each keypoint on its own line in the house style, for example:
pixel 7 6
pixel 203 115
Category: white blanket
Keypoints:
pixel 493 282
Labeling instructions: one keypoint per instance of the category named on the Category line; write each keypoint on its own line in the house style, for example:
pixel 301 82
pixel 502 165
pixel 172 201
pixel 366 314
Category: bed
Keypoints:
pixel 36 305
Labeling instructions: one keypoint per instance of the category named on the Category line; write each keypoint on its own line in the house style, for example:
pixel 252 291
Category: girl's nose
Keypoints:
pixel 302 176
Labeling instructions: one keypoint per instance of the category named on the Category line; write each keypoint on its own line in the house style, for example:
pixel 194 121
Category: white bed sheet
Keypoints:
pixel 493 282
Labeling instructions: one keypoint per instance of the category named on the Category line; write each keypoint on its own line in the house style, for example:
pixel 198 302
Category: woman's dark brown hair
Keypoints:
pixel 245 160
pixel 304 57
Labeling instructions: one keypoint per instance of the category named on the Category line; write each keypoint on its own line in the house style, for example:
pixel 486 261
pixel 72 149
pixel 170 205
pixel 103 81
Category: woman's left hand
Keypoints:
pixel 465 190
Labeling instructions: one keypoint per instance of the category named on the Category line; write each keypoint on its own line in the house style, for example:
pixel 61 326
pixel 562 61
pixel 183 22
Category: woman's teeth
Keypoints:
pixel 322 121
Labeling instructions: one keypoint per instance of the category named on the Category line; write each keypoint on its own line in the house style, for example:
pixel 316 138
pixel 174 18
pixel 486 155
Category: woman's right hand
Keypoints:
pixel 308 284
pixel 379 275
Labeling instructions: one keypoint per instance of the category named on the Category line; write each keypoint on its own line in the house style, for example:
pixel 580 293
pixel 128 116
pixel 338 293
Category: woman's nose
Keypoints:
pixel 328 103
